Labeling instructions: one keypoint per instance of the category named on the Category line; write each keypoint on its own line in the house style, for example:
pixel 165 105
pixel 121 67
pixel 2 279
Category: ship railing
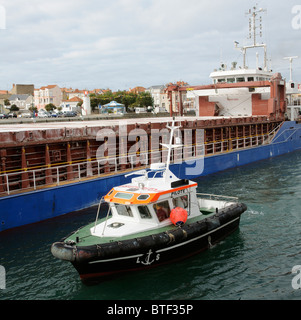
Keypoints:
pixel 36 178
pixel 48 176
pixel 215 201
pixel 286 135
pixel 271 135
pixel 235 143
pixel 211 196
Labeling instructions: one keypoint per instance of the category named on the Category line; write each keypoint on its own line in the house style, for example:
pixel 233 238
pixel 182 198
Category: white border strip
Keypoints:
pixel 114 259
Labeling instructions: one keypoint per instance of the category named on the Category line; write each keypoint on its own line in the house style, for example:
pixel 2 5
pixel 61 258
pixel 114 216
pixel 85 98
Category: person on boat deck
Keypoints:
pixel 162 213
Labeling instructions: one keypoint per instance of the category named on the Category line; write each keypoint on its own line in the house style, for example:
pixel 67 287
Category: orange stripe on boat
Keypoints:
pixel 153 196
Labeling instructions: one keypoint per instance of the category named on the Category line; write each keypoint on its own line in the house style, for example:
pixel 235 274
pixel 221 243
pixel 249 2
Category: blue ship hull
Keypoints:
pixel 26 208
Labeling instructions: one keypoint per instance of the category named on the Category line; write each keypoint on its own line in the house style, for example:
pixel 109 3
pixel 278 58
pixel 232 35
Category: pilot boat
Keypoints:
pixel 155 219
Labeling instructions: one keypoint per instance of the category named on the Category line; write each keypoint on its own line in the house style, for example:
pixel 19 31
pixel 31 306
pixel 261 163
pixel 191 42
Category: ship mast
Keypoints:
pixel 171 146
pixel 254 13
pixel 291 67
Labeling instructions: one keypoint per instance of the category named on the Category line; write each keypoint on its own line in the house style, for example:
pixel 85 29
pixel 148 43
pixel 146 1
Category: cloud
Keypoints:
pixel 124 43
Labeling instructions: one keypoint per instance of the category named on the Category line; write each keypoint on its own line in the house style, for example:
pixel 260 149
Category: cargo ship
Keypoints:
pixel 51 169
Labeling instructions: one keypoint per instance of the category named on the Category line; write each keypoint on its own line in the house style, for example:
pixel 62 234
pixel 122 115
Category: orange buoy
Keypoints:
pixel 178 216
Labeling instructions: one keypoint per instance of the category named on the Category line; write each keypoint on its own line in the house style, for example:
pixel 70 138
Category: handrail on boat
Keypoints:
pixel 157 172
pixel 272 134
pixel 98 210
pixel 217 197
pixel 291 133
pixel 102 200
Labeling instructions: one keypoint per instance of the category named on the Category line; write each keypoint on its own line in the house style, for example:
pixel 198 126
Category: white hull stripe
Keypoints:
pixel 169 248
pixel 114 259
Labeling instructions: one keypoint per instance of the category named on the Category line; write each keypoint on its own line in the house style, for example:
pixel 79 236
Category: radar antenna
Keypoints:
pixel 253 20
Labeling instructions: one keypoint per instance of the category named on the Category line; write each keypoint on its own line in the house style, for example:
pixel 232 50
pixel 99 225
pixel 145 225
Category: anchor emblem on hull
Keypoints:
pixel 148 258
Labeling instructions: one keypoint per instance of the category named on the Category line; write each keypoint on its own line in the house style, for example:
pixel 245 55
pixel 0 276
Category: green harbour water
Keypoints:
pixel 254 263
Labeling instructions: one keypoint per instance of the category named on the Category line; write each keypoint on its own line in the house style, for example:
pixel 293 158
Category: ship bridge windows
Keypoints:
pixel 221 80
pixel 230 80
pixel 162 210
pixel 250 78
pixel 240 79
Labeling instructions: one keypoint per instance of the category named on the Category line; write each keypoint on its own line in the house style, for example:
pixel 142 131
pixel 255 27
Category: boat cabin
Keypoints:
pixel 146 203
pixel 136 207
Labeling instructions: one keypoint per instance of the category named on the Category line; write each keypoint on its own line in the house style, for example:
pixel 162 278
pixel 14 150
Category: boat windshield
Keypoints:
pixel 162 210
pixel 181 201
pixel 123 210
pixel 144 212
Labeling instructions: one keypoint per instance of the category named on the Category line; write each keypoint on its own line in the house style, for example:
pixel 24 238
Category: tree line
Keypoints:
pixel 130 100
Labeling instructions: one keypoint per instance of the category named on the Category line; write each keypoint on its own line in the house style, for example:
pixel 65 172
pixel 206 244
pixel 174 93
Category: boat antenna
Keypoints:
pixel 170 145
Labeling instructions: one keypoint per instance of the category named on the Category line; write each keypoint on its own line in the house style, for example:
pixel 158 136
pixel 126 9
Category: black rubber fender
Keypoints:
pixel 74 253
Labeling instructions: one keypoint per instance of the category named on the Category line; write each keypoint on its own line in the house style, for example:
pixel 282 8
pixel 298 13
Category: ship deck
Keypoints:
pixel 15 125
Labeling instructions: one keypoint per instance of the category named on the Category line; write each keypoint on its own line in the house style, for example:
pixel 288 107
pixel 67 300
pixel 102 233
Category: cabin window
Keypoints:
pixel 144 212
pixel 240 79
pixel 143 197
pixel 123 210
pixel 181 202
pixel 220 80
pixel 250 78
pixel 162 210
pixel 122 195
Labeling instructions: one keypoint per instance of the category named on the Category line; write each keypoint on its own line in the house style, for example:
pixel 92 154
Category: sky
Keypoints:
pixel 121 44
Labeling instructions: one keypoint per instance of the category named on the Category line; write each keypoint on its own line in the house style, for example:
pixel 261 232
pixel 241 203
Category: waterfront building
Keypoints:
pixel 49 94
pixel 158 94
pixel 71 104
pixel 22 101
pixel 22 89
pixel 137 90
